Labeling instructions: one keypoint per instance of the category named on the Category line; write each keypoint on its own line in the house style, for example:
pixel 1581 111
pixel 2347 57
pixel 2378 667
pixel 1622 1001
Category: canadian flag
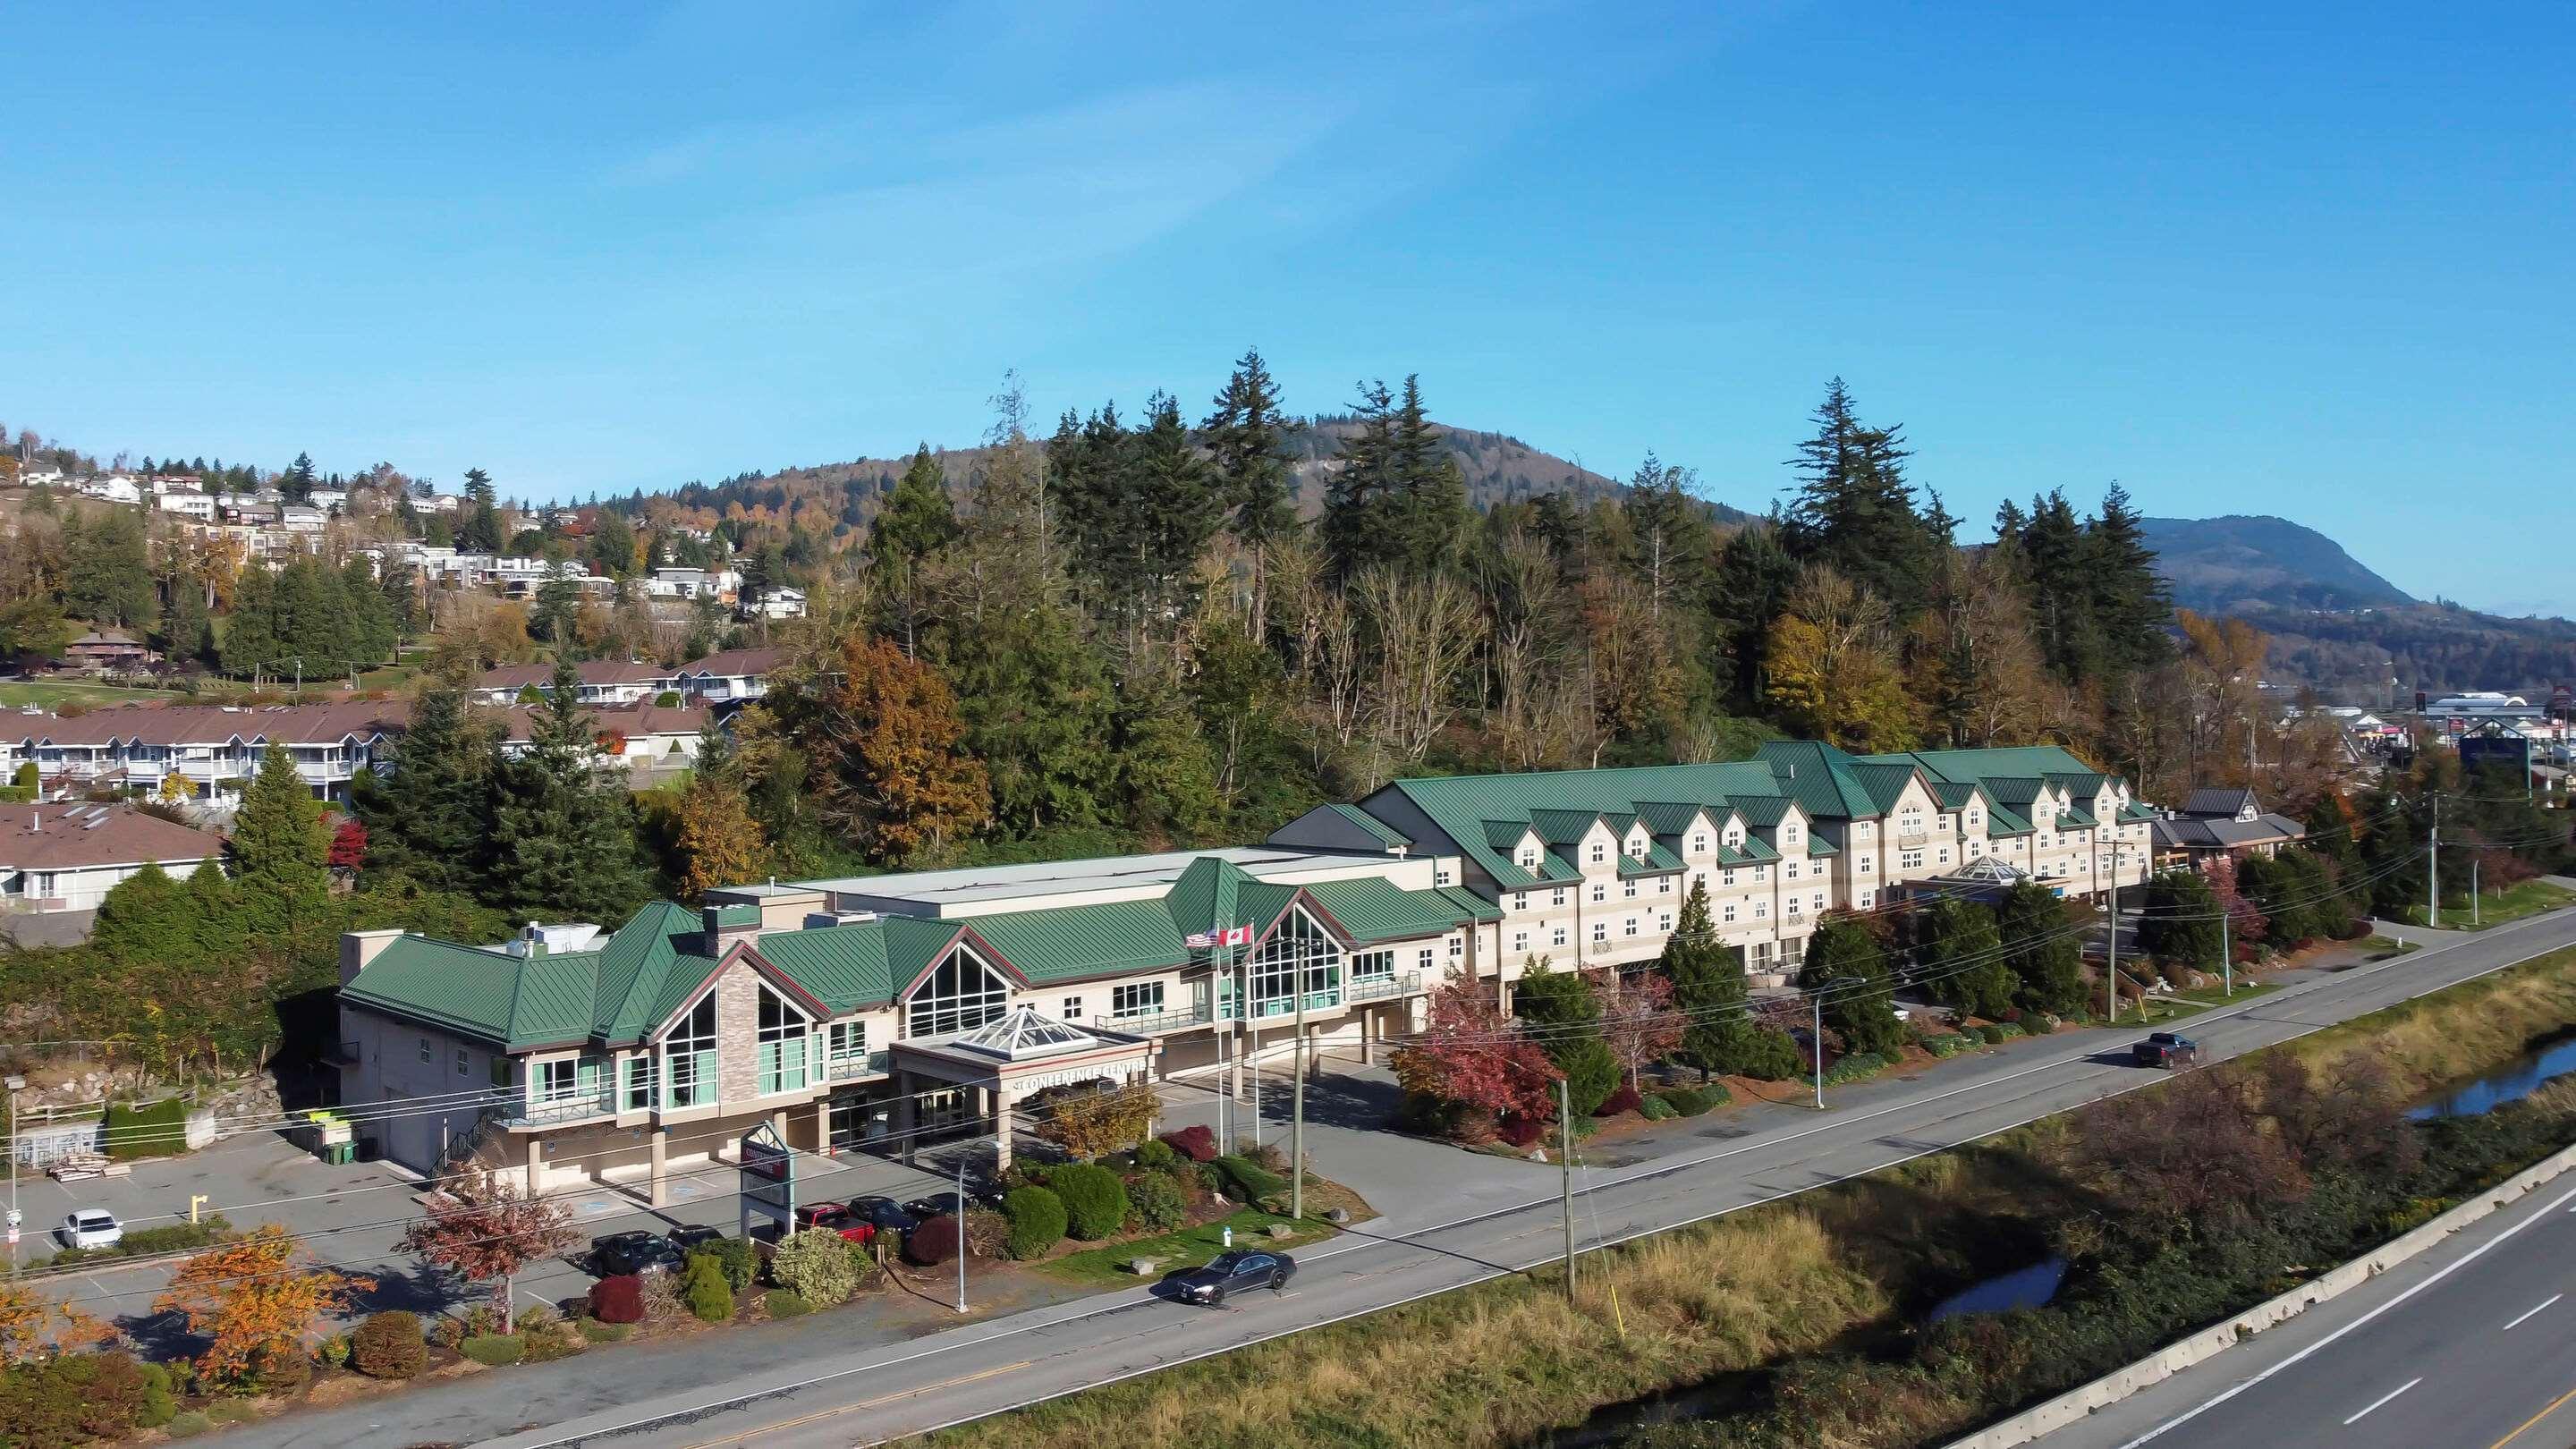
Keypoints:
pixel 1236 936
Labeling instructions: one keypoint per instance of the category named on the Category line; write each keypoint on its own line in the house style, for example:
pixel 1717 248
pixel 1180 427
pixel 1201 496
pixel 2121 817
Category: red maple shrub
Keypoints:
pixel 618 1299
pixel 932 1243
pixel 1518 1130
pixel 1626 1099
pixel 1198 1143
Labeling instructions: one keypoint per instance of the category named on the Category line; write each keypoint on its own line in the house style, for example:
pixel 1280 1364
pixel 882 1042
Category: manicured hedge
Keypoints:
pixel 1950 1043
pixel 158 1130
pixel 1198 1144
pixel 1250 1180
pixel 494 1350
pixel 1692 1101
pixel 1095 1201
pixel 933 1243
pixel 618 1299
pixel 388 1345
pixel 1656 1109
pixel 1854 1067
pixel 1038 1221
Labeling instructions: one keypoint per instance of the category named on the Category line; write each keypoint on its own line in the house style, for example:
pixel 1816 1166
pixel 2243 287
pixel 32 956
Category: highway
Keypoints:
pixel 2472 1345
pixel 802 1392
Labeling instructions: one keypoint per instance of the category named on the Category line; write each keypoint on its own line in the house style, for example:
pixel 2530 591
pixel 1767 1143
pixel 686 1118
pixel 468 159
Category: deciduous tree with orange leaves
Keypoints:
pixel 889 760
pixel 486 1228
pixel 32 1325
pixel 259 1291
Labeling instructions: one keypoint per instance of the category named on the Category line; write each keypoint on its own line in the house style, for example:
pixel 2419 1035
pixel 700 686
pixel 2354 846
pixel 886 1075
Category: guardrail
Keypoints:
pixel 1378 988
pixel 847 1069
pixel 560 1110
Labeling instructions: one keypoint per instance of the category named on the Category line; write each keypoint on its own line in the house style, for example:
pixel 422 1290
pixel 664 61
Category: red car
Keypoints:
pixel 835 1218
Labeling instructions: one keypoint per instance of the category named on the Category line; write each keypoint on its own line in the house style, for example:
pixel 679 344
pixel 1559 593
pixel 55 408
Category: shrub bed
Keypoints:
pixel 619 1299
pixel 1037 1219
pixel 1656 1109
pixel 1250 1180
pixel 1198 1144
pixel 1155 1201
pixel 389 1345
pixel 933 1243
pixel 494 1350
pixel 1855 1066
pixel 1095 1201
pixel 1949 1043
pixel 1625 1099
pixel 786 1303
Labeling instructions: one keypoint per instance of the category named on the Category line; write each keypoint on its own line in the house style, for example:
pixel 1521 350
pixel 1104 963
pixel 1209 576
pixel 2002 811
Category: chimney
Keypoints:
pixel 721 933
pixel 532 940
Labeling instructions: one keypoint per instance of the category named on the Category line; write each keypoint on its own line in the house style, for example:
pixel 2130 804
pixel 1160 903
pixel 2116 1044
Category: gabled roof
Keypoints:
pixel 1820 778
pixel 1385 834
pixel 2218 800
pixel 1673 817
pixel 507 1000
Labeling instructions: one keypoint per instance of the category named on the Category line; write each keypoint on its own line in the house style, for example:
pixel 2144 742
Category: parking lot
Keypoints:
pixel 352 1217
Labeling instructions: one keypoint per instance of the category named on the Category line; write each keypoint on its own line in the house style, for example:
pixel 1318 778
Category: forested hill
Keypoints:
pixel 1498 468
pixel 2228 565
pixel 2337 625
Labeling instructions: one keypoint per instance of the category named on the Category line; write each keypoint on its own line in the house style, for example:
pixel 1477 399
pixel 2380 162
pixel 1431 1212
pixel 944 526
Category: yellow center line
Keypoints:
pixel 881 1399
pixel 2554 1406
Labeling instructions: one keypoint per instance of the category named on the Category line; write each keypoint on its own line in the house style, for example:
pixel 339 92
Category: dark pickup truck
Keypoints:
pixel 2166 1049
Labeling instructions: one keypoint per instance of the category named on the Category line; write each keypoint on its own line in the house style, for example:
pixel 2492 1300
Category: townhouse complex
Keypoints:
pixel 213 750
pixel 886 1010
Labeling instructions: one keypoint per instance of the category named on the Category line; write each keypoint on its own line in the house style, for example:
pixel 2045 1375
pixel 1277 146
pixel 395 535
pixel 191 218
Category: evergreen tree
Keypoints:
pixel 296 483
pixel 2180 920
pixel 185 635
pixel 478 527
pixel 1035 699
pixel 2046 958
pixel 278 848
pixel 1247 441
pixel 918 520
pixel 1853 508
pixel 1962 959
pixel 1166 776
pixel 1861 1010
pixel 1751 588
pixel 563 839
pixel 429 818
pixel 1398 497
pixel 1719 1032
pixel 251 643
pixel 107 578
pixel 2131 606
pixel 1560 1013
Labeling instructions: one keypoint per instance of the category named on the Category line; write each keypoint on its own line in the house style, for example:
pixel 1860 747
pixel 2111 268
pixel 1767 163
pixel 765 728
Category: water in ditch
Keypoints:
pixel 2528 1074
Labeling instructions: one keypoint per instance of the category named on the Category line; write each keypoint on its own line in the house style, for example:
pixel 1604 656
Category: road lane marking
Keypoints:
pixel 863 1404
pixel 2535 1308
pixel 2363 1321
pixel 2378 1402
pixel 2554 1406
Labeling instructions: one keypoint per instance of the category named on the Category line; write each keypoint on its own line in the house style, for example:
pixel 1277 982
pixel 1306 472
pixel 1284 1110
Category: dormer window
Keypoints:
pixel 1735 840
pixel 1600 852
pixel 1637 848
pixel 1788 835
pixel 1699 845
pixel 1529 857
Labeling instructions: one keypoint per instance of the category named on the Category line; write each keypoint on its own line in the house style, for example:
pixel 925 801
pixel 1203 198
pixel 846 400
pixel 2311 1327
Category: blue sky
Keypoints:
pixel 2312 261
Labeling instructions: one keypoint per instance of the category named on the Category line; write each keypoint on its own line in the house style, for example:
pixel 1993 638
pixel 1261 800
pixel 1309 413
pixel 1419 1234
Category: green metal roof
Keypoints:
pixel 1384 833
pixel 1372 910
pixel 1818 845
pixel 489 995
pixel 737 913
pixel 1075 941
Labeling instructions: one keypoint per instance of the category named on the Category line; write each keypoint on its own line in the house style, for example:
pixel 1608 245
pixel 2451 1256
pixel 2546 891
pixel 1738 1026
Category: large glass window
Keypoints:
pixel 638 1071
pixel 848 1042
pixel 1298 951
pixel 558 1081
pixel 961 995
pixel 1144 998
pixel 689 1058
pixel 785 1032
pixel 1379 965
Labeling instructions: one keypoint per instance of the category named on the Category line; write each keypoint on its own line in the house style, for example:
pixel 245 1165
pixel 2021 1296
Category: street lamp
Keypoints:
pixel 1816 1043
pixel 16 1084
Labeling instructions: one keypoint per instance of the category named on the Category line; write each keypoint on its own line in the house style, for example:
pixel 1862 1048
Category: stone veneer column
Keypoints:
pixel 660 1192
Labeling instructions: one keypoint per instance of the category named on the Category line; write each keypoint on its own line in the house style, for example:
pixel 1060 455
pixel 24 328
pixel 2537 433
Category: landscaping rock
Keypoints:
pixel 1143 1267
pixel 1282 1231
pixel 1337 1215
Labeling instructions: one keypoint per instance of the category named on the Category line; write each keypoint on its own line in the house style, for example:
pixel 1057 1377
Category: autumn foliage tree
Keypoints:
pixel 888 759
pixel 256 1292
pixel 719 843
pixel 487 1229
pixel 1472 1056
pixel 1638 1022
pixel 1090 1122
pixel 33 1325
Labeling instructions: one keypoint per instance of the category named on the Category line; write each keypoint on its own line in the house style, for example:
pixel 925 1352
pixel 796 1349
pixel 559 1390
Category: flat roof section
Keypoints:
pixel 933 892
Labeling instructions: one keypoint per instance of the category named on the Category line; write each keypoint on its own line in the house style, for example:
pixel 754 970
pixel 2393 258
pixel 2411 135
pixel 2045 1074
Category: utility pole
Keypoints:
pixel 1252 1021
pixel 1816 1045
pixel 2111 975
pixel 1297 1132
pixel 1565 1190
pixel 2226 953
pixel 2433 851
pixel 2473 892
pixel 961 1232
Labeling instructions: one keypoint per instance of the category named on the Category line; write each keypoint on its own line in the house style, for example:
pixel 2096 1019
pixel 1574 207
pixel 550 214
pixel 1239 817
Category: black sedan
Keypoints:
pixel 634 1251
pixel 884 1214
pixel 1234 1272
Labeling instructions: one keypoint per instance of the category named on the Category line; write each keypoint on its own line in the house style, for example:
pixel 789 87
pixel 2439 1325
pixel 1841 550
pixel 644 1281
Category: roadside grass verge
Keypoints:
pixel 1187 1248
pixel 2184 1005
pixel 2457 1032
pixel 2530 898
pixel 1812 1298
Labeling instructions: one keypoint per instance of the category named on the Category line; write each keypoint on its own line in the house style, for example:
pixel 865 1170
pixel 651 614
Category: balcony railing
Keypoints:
pixel 1156 1025
pixel 558 1110
pixel 851 1068
pixel 1378 988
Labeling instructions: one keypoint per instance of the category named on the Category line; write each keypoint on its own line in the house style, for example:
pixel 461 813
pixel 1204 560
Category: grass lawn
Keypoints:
pixel 2380 948
pixel 390 676
pixel 49 693
pixel 2183 1004
pixel 1184 1249
pixel 2527 899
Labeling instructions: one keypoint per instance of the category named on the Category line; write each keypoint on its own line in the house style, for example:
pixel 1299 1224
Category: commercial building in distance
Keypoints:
pixel 881 1011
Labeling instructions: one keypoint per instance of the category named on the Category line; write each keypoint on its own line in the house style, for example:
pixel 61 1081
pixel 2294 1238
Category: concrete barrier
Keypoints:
pixel 2173 1358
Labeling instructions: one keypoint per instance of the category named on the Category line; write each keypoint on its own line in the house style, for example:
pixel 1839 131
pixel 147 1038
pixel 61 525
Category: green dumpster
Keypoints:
pixel 339 1154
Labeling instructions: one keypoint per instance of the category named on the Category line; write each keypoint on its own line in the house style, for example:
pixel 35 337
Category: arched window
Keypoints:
pixel 961 995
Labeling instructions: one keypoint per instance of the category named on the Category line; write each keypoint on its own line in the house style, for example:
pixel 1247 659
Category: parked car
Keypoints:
pixel 884 1214
pixel 2166 1049
pixel 90 1228
pixel 688 1240
pixel 926 1208
pixel 1234 1272
pixel 833 1217
pixel 632 1251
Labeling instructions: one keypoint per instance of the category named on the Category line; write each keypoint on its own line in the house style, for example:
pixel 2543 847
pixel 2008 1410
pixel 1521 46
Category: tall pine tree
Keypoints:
pixel 563 838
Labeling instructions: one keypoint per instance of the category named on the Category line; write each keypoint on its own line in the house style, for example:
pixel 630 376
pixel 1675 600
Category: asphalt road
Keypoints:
pixel 2472 1345
pixel 808 1394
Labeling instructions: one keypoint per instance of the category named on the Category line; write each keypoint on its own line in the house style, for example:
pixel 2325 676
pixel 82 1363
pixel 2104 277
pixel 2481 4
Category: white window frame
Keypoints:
pixel 1141 998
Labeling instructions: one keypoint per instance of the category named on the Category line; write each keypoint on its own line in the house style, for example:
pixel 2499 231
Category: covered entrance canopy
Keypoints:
pixel 1022 1052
